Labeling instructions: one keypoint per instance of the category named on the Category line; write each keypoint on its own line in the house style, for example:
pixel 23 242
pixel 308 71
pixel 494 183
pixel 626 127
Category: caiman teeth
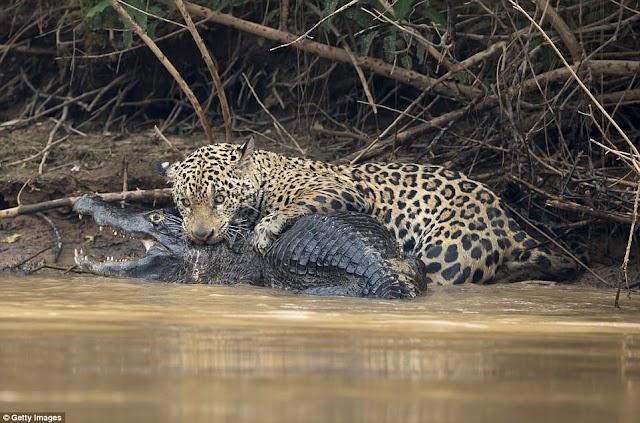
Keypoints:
pixel 80 216
pixel 100 228
pixel 115 233
pixel 148 244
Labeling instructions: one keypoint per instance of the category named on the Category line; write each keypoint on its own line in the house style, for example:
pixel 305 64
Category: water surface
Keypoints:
pixel 105 350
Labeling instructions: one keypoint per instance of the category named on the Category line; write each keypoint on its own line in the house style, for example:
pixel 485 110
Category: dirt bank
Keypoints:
pixel 81 164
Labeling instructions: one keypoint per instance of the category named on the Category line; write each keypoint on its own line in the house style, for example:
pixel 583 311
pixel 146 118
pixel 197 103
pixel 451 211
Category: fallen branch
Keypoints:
pixel 378 146
pixel 626 218
pixel 558 202
pixel 149 194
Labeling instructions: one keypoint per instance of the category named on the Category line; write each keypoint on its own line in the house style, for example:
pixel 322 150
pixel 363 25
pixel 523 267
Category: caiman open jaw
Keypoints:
pixel 154 265
pixel 162 239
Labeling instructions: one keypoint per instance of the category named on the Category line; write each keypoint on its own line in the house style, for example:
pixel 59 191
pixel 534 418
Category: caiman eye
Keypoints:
pixel 155 217
pixel 184 202
pixel 218 199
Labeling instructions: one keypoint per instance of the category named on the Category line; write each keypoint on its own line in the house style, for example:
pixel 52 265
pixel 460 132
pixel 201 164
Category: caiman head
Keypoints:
pixel 159 231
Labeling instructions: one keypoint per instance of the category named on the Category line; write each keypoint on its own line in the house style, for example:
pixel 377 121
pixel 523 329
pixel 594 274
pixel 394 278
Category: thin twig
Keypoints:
pixel 168 65
pixel 35 156
pixel 132 48
pixel 38 115
pixel 345 46
pixel 224 105
pixel 391 127
pixel 160 135
pixel 430 47
pixel 550 14
pixel 306 34
pixel 275 121
pixel 625 261
pixel 57 245
pixel 31 257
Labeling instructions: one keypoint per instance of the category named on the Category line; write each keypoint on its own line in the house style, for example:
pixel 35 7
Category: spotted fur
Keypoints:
pixel 457 226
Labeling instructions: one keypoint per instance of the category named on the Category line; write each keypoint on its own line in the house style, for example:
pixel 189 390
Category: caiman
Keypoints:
pixel 344 253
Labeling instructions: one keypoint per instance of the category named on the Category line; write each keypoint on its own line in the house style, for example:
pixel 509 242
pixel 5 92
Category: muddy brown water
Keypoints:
pixel 105 350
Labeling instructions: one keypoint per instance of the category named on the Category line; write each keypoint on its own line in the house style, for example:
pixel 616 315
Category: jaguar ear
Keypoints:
pixel 165 169
pixel 246 151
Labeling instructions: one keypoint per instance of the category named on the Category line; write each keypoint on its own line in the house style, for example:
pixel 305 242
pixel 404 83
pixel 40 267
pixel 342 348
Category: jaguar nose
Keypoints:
pixel 201 235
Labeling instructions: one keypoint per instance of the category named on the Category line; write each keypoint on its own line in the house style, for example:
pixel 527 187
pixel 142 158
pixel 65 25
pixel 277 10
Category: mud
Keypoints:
pixel 79 165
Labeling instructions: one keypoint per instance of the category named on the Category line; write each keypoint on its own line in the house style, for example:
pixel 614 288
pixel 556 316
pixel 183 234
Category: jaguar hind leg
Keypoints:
pixel 468 258
pixel 499 254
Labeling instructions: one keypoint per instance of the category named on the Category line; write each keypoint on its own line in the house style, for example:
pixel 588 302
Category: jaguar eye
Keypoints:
pixel 155 217
pixel 184 202
pixel 218 199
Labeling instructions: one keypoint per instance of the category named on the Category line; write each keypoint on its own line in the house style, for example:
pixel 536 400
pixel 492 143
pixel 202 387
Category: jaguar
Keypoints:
pixel 457 226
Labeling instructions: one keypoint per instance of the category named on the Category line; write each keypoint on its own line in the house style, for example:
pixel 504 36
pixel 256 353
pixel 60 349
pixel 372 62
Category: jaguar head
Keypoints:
pixel 212 187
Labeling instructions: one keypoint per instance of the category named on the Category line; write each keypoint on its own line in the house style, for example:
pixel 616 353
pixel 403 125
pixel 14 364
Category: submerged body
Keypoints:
pixel 341 254
pixel 458 227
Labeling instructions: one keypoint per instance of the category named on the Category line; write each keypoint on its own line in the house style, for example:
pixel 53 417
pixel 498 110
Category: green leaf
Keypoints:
pixel 138 17
pixel 127 38
pixel 98 8
pixel 389 47
pixel 435 16
pixel 421 53
pixel 549 58
pixel 217 5
pixel 462 77
pixel 362 18
pixel 10 239
pixel 330 6
pixel 366 41
pixel 402 8
pixel 406 61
